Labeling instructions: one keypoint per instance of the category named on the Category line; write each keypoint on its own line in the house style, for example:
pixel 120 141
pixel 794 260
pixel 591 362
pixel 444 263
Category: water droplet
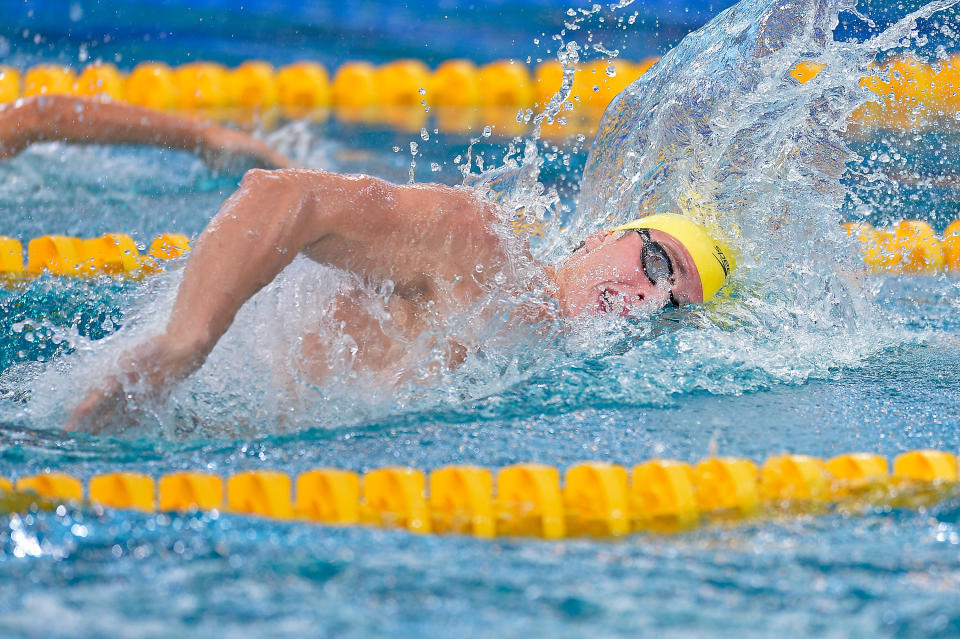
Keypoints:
pixel 434 167
pixel 424 135
pixel 479 268
pixel 487 131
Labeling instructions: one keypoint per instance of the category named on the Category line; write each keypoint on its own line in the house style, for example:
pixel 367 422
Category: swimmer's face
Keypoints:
pixel 607 275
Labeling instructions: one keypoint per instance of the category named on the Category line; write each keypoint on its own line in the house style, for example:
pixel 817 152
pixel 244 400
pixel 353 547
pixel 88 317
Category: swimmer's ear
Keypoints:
pixel 593 241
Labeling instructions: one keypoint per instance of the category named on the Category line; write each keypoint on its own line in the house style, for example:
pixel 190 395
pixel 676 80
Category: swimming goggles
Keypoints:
pixel 654 259
pixel 656 262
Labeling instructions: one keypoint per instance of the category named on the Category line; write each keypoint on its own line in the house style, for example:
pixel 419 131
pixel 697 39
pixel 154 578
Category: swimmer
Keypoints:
pixel 427 239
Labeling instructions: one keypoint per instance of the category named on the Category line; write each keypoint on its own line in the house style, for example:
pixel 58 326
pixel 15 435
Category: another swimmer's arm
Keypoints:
pixel 85 120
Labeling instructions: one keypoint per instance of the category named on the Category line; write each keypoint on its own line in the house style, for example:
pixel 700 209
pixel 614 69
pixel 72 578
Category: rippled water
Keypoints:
pixel 806 354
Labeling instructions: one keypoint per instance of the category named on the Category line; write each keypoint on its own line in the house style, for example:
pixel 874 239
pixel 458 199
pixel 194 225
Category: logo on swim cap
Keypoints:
pixel 722 259
pixel 713 262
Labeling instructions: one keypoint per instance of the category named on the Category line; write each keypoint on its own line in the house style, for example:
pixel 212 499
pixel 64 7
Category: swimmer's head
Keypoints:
pixel 648 263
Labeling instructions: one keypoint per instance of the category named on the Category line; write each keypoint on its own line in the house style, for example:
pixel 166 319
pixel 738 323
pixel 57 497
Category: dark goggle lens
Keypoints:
pixel 656 263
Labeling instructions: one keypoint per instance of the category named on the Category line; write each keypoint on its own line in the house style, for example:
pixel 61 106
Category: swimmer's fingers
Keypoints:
pixel 98 409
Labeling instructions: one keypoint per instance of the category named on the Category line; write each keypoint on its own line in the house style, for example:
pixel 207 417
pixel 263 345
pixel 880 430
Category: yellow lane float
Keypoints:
pixel 910 93
pixel 911 246
pixel 151 84
pixel 9 84
pixel 597 499
pixel 110 254
pixel 103 80
pixel 49 79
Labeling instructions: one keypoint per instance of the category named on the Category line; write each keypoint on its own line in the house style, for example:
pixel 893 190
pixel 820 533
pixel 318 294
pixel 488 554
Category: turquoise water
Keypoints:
pixel 752 376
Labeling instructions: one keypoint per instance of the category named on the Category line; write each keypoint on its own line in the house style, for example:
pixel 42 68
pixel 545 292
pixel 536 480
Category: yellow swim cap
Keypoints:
pixel 714 261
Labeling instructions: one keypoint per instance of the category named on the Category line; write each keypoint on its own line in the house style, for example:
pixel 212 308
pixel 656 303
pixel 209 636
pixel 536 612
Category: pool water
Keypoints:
pixel 886 381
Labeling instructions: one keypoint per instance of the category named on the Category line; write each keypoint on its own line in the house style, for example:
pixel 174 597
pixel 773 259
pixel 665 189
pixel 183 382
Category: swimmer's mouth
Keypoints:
pixel 610 301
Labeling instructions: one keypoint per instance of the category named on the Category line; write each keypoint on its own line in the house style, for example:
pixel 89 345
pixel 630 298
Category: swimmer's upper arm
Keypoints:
pixel 379 229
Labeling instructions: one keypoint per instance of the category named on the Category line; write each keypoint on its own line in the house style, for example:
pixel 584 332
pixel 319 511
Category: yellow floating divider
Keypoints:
pixel 926 465
pixel 506 83
pixel 252 85
pixel 11 256
pixel 52 486
pixel 304 85
pixel 167 246
pixel 529 501
pixel 455 83
pixel 951 246
pixel 793 478
pixel 113 253
pixel 123 490
pixel 6 484
pixel 151 84
pixel 461 501
pixel 329 495
pixel 58 254
pixel 911 246
pixel 101 80
pixel 396 498
pixel 727 485
pixel 190 491
pixel 856 473
pixel 354 86
pixel 110 254
pixel 402 83
pixel 805 71
pixel 663 496
pixel 910 94
pixel 260 492
pixel 9 84
pixel 597 498
pixel 200 86
pixel 49 79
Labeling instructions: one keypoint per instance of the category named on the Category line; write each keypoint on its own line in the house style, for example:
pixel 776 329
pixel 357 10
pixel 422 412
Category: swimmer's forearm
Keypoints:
pixel 255 235
pixel 84 120
pixel 73 119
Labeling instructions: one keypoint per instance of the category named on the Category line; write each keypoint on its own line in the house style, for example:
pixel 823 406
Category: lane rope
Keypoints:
pixel 525 500
pixel 461 95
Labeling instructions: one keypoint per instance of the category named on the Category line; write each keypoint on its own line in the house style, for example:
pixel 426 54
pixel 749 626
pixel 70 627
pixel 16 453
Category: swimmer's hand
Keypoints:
pixel 143 376
pixel 232 151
